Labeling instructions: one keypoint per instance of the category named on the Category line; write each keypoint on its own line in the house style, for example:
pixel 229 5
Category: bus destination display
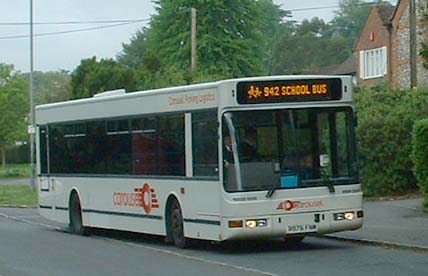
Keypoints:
pixel 289 91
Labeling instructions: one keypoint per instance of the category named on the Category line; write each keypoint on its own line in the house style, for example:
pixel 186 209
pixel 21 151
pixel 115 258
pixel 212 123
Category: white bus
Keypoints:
pixel 243 158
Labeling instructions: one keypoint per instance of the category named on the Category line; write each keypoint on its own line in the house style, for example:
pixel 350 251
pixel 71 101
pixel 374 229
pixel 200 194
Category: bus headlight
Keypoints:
pixel 253 223
pixel 344 216
pixel 350 216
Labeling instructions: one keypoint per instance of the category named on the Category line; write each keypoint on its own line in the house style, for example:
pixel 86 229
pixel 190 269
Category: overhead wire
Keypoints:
pixel 77 30
pixel 73 22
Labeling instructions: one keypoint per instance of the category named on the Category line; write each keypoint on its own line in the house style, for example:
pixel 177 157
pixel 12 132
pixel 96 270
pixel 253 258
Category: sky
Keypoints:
pixel 65 51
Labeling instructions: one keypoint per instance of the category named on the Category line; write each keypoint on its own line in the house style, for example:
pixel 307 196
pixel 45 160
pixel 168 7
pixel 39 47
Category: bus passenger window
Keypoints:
pixel 205 147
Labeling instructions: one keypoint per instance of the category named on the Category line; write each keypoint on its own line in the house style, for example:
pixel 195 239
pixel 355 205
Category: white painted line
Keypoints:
pixel 29 222
pixel 163 251
pixel 184 256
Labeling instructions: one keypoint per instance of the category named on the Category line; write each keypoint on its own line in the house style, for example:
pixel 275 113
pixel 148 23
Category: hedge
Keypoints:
pixel 420 157
pixel 384 134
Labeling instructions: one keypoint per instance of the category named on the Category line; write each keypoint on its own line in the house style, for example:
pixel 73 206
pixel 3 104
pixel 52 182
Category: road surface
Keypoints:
pixel 30 245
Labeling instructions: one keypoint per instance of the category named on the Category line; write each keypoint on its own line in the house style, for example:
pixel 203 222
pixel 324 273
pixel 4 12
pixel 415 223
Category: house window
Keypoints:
pixel 373 63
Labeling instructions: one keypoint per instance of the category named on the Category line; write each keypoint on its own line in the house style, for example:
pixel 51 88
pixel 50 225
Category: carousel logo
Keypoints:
pixel 141 197
pixel 289 205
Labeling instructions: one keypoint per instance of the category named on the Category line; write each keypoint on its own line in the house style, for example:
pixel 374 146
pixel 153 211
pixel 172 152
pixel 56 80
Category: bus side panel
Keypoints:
pixel 200 204
pixel 138 205
pixel 46 198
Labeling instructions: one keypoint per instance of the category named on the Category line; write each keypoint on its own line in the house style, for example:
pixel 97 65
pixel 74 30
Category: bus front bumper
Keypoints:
pixel 297 224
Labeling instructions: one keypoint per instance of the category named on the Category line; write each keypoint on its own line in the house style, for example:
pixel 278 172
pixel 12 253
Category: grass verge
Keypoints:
pixel 17 195
pixel 15 170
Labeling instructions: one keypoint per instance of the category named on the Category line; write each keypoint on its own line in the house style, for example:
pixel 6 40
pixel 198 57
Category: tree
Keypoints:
pixel 50 87
pixel 350 19
pixel 93 76
pixel 307 47
pixel 133 53
pixel 314 44
pixel 13 108
pixel 234 40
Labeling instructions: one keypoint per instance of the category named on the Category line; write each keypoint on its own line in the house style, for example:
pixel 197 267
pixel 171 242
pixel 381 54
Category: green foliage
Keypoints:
pixel 17 195
pixel 350 19
pixel 13 108
pixel 51 87
pixel 133 53
pixel 315 45
pixel 93 76
pixel 237 39
pixel 420 156
pixel 233 40
pixel 309 46
pixel 385 121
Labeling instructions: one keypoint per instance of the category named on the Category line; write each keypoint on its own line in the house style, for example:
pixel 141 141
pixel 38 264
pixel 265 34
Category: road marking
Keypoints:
pixel 188 257
pixel 29 222
pixel 163 251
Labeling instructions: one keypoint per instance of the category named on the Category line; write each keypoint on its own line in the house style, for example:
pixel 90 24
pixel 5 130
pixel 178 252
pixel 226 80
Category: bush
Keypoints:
pixel 420 157
pixel 384 134
pixel 18 155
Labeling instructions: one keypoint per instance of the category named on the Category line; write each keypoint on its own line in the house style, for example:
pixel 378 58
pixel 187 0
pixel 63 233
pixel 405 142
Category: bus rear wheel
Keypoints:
pixel 76 224
pixel 176 227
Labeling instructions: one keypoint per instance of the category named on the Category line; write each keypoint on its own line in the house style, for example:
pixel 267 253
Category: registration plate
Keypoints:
pixel 301 228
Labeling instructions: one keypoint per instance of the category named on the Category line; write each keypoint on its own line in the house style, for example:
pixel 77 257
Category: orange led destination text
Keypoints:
pixel 277 91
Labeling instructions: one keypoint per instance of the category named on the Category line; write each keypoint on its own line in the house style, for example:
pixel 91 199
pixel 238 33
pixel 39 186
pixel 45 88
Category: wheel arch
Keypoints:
pixel 170 199
pixel 73 191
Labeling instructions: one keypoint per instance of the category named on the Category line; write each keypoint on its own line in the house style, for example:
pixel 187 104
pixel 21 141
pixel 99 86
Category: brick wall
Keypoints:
pixel 381 38
pixel 400 48
pixel 422 36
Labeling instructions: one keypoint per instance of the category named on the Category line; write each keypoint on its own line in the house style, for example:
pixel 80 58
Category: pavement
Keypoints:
pixel 393 222
pixel 15 181
pixel 396 223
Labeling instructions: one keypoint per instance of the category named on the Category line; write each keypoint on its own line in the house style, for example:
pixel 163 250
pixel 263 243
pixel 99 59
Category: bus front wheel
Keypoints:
pixel 176 227
pixel 76 225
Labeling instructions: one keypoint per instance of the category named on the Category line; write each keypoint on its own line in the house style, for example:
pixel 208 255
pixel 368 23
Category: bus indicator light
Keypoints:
pixel 235 223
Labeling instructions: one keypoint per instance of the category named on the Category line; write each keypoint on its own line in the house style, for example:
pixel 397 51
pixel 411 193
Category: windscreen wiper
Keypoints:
pixel 327 182
pixel 276 169
pixel 271 191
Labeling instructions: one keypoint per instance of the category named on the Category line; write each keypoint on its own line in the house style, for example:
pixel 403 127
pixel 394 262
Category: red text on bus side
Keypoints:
pixel 141 197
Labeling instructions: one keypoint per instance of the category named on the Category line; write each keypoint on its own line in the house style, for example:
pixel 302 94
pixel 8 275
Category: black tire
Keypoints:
pixel 176 226
pixel 76 225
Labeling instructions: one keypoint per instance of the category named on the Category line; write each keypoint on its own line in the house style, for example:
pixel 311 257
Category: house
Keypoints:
pixel 383 50
pixel 348 67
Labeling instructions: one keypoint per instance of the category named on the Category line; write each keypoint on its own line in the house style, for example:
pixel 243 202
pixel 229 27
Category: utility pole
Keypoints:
pixel 32 128
pixel 193 56
pixel 413 46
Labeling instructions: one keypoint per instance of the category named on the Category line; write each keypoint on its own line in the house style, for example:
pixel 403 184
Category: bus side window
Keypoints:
pixel 43 149
pixel 204 141
pixel 171 145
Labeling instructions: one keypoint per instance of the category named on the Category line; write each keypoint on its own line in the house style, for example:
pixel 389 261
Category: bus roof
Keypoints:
pixel 187 97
